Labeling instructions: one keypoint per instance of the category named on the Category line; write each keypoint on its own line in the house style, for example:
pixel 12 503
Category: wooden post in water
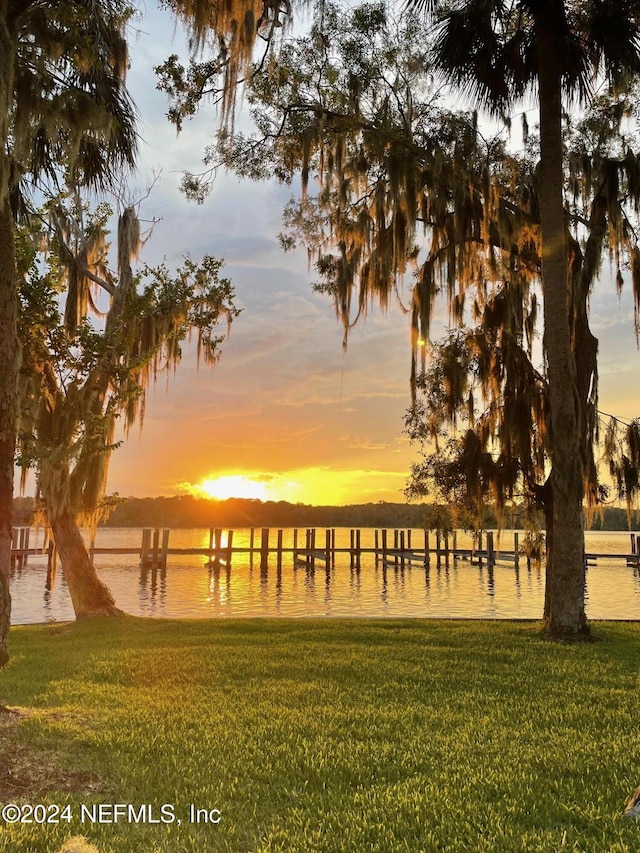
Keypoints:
pixel 491 554
pixel 14 545
pixel 409 548
pixel 426 549
pixel 438 550
pixel 51 548
pixel 333 547
pixel 395 547
pixel 23 539
pixel 455 544
pixel 155 549
pixel 375 544
pixel 279 560
pixel 516 549
pixel 154 566
pixel 313 548
pixel 351 548
pixel 327 550
pixel 264 550
pixel 358 549
pixel 252 533
pixel 165 547
pixel 279 551
pixel 295 544
pixel 144 547
pixel 211 551
pixel 446 549
pixel 480 549
pixel 229 548
pixel 402 549
pixel 52 564
pixel 384 547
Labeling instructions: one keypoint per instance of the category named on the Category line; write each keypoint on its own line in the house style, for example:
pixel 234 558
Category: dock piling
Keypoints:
pixel 165 547
pixel 144 547
pixel 264 550
pixel 491 554
pixel 52 565
pixel 14 545
pixel 327 550
pixel 229 553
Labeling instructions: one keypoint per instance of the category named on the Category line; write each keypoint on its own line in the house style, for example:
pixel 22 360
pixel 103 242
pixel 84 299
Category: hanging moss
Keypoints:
pixel 78 381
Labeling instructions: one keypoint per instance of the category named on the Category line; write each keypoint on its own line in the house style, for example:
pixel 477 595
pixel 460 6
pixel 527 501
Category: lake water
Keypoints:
pixel 187 588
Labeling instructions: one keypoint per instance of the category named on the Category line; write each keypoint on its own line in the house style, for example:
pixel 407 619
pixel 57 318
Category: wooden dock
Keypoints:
pixel 21 548
pixel 391 548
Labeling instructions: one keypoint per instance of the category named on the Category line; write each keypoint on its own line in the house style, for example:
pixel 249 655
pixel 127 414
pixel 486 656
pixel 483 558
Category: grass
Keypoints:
pixel 324 735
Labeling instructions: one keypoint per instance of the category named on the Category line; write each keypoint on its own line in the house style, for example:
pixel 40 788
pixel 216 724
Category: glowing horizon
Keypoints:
pixel 320 486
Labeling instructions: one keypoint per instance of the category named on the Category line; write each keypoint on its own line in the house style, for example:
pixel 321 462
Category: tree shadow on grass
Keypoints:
pixel 29 771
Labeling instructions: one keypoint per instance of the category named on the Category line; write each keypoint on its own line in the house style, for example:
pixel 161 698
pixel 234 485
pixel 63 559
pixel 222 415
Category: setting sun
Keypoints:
pixel 232 486
pixel 312 485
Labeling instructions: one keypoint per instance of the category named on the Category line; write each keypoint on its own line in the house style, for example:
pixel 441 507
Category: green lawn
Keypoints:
pixel 324 735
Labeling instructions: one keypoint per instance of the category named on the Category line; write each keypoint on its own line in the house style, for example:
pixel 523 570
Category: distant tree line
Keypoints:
pixel 615 518
pixel 189 511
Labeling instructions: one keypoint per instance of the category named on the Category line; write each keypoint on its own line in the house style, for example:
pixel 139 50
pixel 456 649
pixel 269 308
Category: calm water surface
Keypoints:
pixel 189 589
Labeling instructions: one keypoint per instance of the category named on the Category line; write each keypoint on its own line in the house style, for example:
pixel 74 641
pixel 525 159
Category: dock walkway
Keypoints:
pixel 391 548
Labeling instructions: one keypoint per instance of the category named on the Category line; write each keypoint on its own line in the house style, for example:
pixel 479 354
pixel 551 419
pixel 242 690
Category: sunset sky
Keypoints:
pixel 285 406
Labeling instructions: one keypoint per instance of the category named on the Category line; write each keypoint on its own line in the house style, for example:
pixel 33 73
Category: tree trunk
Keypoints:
pixel 564 613
pixel 5 618
pixel 89 596
pixel 547 508
pixel 9 363
pixel 9 349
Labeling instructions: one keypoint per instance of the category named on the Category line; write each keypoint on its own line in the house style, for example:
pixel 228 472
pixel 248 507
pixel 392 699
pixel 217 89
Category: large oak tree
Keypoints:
pixel 403 181
pixel 64 111
pixel 93 340
pixel 500 51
